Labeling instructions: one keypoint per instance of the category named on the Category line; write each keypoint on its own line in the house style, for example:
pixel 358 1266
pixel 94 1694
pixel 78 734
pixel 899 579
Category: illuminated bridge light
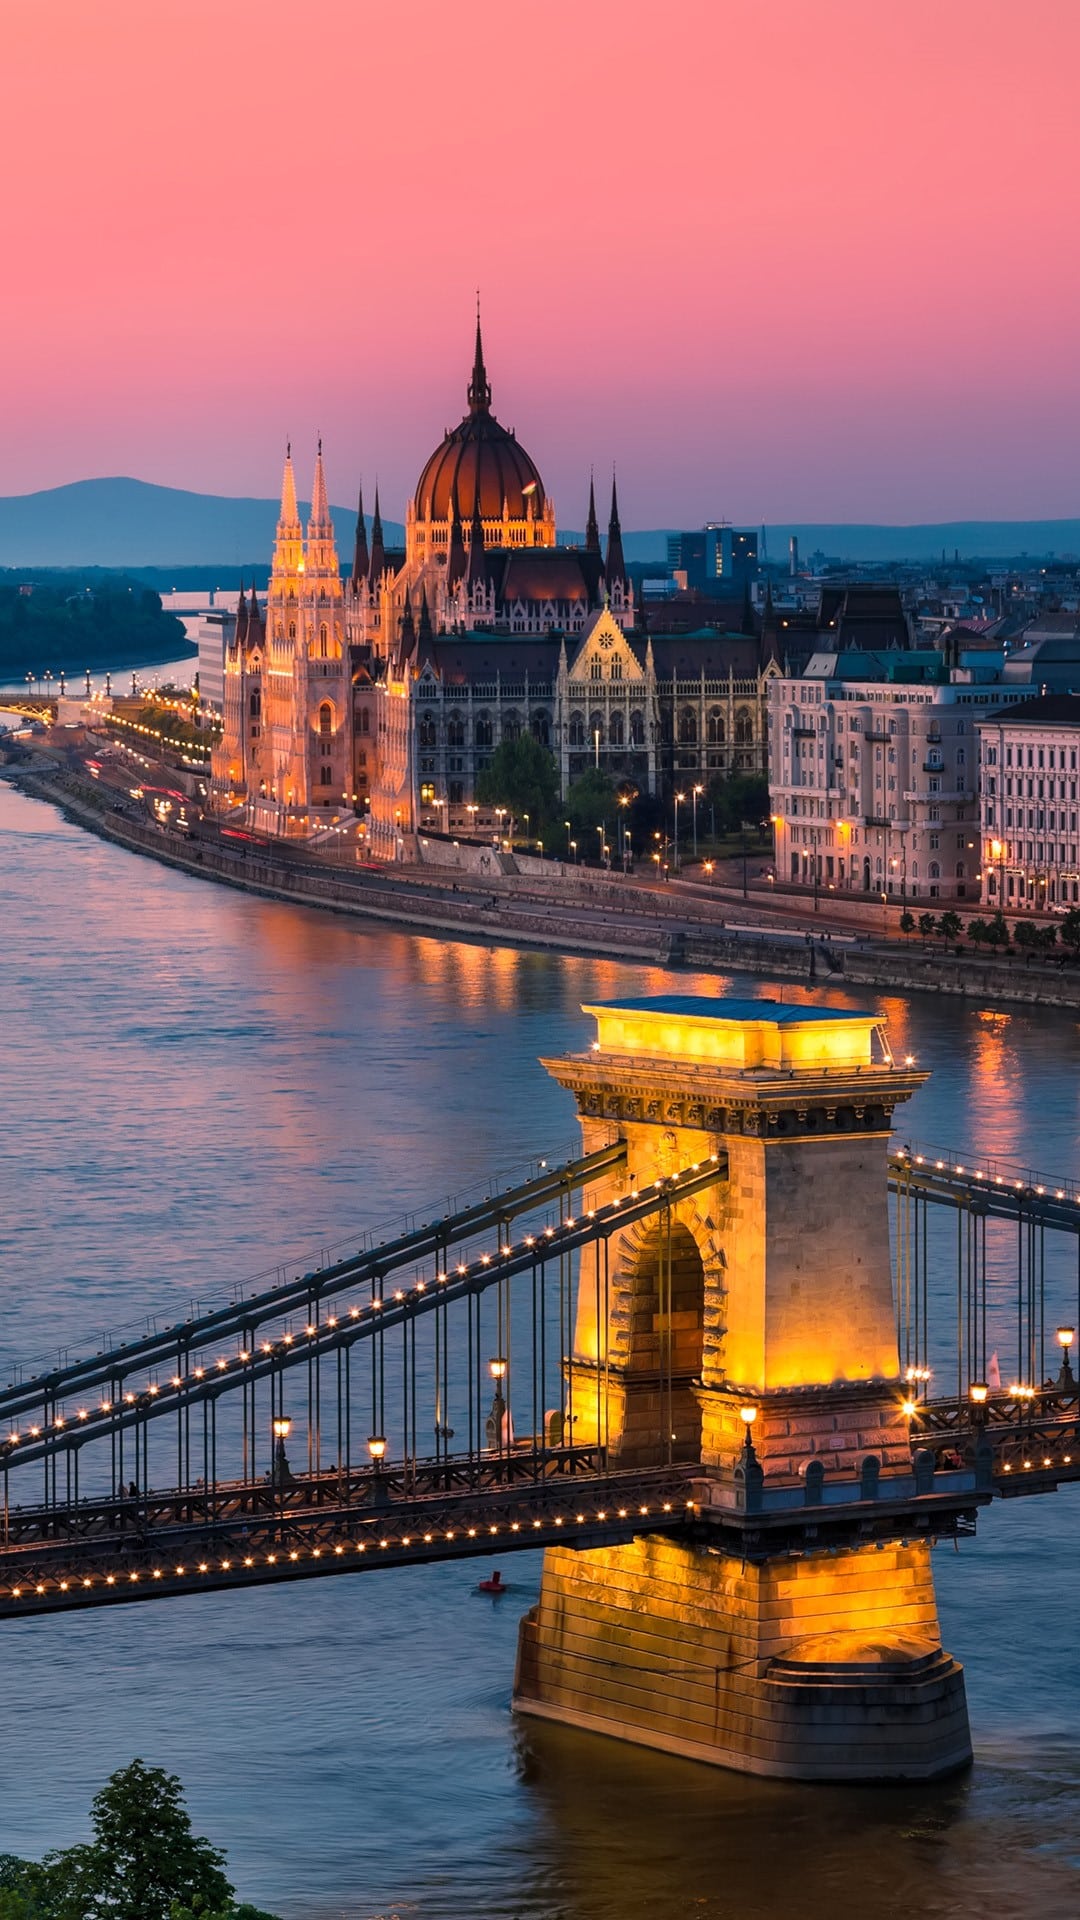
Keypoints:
pixel 558 1520
pixel 294 1555
pixel 110 1579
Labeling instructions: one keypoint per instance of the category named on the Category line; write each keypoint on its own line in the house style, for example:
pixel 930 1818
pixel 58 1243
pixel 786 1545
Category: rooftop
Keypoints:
pixel 689 1006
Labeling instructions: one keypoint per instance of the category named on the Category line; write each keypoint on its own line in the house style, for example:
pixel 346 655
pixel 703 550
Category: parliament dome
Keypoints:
pixel 479 458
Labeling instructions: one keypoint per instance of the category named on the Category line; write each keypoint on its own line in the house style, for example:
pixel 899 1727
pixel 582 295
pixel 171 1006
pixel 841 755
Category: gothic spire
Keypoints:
pixel 592 529
pixel 289 517
pixel 479 385
pixel 254 620
pixel 406 630
pixel 456 563
pixel 476 544
pixel 378 551
pixel 361 558
pixel 424 631
pixel 615 565
pixel 241 617
pixel 320 506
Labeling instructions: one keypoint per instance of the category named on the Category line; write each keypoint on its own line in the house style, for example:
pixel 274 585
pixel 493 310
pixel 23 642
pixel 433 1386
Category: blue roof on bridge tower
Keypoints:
pixel 700 1007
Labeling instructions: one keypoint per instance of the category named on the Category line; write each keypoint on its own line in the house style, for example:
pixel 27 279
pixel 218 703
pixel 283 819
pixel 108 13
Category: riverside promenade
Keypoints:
pixel 575 911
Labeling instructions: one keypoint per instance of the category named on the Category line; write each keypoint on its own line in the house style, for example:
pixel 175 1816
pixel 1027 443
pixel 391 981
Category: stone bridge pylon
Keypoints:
pixel 750 1329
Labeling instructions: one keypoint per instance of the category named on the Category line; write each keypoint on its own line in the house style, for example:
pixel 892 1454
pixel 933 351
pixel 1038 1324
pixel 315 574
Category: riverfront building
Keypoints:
pixel 386 694
pixel 1029 820
pixel 873 773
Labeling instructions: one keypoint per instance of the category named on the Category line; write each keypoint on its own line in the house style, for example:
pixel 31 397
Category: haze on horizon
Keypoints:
pixel 777 261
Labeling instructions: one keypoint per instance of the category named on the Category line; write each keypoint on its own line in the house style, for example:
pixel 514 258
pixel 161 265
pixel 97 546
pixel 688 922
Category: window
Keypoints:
pixel 363 719
pixel 715 727
pixel 616 668
pixel 687 727
pixel 254 705
pixel 427 731
pixel 596 670
pixel 577 730
pixel 596 729
pixel 324 641
pixel 637 729
pixel 455 733
pixel 326 776
pixel 744 727
pixel 326 720
pixel 483 731
pixel 615 730
pixel 541 729
pixel 511 729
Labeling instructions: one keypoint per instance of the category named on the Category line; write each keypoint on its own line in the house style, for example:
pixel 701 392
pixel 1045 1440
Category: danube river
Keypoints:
pixel 192 1080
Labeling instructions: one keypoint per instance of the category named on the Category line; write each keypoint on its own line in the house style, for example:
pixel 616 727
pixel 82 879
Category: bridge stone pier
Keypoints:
pixel 751 1329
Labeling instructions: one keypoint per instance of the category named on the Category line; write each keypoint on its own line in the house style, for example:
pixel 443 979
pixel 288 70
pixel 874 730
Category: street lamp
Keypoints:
pixel 884 916
pixel 573 850
pixel 697 792
pixel 600 831
pixel 496 1420
pixel 376 1447
pixel 679 797
pixel 596 747
pixel 569 842
pixel 280 1474
pixel 1065 1338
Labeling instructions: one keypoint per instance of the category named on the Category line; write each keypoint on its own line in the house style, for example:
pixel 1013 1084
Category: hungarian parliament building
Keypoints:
pixel 385 694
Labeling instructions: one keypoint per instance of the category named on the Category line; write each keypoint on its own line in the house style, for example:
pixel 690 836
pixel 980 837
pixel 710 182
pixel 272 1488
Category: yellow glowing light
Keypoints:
pixel 908 1407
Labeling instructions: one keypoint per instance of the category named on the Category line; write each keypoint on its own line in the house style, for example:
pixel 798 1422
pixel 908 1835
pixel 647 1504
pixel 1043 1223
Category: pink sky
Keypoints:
pixel 779 259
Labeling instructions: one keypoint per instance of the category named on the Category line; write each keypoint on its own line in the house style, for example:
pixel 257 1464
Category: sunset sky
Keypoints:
pixel 778 259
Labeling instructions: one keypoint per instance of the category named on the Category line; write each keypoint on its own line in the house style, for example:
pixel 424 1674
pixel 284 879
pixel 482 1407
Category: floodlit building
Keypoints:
pixel 1030 813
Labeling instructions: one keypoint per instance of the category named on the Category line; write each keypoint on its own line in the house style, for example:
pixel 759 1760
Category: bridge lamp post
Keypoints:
pixel 496 1420
pixel 1066 1379
pixel 376 1447
pixel 980 1393
pixel 281 1427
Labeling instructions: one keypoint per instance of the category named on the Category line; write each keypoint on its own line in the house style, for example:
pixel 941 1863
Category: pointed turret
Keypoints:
pixel 256 632
pixel 361 558
pixel 455 562
pixel 477 571
pixel 592 525
pixel 320 523
pixel 615 565
pixel 241 617
pixel 378 550
pixel 424 632
pixel 289 545
pixel 479 385
pixel 406 631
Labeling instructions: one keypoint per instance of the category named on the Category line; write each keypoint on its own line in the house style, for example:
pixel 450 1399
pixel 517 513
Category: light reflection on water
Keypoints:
pixel 191 1080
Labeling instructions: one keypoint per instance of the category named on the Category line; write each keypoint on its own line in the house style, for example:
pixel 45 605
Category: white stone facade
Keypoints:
pixel 1030 812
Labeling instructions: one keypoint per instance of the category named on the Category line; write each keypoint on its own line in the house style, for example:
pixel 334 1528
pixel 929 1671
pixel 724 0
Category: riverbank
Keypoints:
pixel 574 914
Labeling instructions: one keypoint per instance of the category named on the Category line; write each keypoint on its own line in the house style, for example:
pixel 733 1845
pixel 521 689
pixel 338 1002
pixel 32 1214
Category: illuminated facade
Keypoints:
pixel 1029 809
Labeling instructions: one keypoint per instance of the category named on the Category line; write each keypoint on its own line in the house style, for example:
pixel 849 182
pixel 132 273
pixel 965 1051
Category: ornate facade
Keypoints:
pixel 387 693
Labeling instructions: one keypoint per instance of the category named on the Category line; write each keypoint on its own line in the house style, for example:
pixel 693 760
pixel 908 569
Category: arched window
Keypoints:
pixel 596 670
pixel 744 727
pixel 324 641
pixel 960 870
pixel 326 720
pixel 596 729
pixel 935 869
pixel 255 705
pixel 687 727
pixel 616 668
pixel 364 720
pixel 455 733
pixel 577 730
pixel 616 733
pixel 483 731
pixel 716 729
pixel 511 726
pixel 292 629
pixel 637 729
pixel 427 731
pixel 541 727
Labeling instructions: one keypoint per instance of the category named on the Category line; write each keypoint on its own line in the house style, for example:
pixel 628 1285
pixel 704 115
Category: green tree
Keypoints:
pixel 927 926
pixel 144 1859
pixel 737 799
pixel 523 777
pixel 997 933
pixel 978 932
pixel 950 926
pixel 1070 929
pixel 1026 937
pixel 590 802
pixel 907 924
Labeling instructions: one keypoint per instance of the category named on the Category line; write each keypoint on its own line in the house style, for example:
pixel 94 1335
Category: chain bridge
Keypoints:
pixel 737 1366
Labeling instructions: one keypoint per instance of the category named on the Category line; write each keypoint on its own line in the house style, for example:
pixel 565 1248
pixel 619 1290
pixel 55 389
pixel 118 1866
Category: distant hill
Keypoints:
pixel 130 523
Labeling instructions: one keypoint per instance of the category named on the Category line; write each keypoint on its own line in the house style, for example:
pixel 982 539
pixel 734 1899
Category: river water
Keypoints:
pixel 192 1080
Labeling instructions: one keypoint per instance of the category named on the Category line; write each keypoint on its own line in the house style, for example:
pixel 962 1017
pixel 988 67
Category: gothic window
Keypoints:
pixel 364 720
pixel 324 641
pixel 427 731
pixel 615 730
pixel 326 776
pixel 687 727
pixel 456 792
pixel 511 726
pixel 455 733
pixel 326 720
pixel 577 730
pixel 541 727
pixel 361 758
pixel 616 668
pixel 483 731
pixel 292 629
pixel 935 870
pixel 254 705
pixel 744 727
pixel 596 670
pixel 637 729
pixel 715 727
pixel 596 729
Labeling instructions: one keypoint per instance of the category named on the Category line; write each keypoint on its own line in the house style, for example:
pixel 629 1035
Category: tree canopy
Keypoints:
pixel 65 625
pixel 143 1863
pixel 590 803
pixel 524 778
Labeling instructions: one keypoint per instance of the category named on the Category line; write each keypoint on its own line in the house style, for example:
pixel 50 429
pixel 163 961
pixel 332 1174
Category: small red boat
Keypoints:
pixel 496 1584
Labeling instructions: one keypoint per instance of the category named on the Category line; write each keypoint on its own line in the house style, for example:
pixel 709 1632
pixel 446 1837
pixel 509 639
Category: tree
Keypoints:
pixel 1026 937
pixel 144 1858
pixel 739 798
pixel 978 932
pixel 522 777
pixel 997 933
pixel 1070 930
pixel 907 924
pixel 927 926
pixel 950 926
pixel 590 802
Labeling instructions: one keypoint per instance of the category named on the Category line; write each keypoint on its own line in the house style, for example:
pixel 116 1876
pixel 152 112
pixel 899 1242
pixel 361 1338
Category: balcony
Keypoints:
pixel 949 796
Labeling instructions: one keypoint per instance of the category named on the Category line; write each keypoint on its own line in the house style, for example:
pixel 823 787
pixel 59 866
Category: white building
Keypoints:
pixel 1029 809
pixel 873 775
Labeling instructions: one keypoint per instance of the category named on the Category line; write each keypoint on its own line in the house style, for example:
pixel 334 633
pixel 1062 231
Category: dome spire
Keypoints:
pixel 479 385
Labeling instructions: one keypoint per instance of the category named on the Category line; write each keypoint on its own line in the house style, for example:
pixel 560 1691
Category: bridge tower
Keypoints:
pixel 793 1630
